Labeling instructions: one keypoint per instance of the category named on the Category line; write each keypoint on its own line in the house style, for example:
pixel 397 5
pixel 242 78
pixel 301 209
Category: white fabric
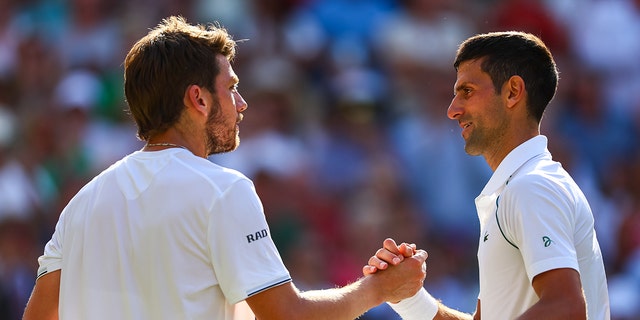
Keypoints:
pixel 421 306
pixel 533 219
pixel 163 235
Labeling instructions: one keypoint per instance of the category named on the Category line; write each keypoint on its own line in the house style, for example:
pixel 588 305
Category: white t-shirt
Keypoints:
pixel 163 235
pixel 533 219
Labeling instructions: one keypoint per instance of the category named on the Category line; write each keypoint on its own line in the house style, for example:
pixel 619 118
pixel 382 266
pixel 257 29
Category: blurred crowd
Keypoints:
pixel 346 136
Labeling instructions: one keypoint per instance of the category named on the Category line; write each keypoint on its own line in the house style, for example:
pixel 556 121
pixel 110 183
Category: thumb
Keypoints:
pixel 421 255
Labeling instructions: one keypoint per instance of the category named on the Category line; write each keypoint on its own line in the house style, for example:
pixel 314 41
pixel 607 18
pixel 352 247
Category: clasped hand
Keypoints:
pixel 404 259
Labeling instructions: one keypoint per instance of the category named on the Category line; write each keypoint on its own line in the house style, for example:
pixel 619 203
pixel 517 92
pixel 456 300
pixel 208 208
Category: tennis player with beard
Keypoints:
pixel 166 234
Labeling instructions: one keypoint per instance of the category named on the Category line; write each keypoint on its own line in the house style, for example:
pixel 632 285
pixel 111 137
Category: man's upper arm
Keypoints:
pixel 275 302
pixel 561 296
pixel 43 303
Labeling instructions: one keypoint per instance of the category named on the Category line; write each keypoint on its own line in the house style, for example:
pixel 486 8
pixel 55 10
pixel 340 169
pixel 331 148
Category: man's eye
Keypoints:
pixel 234 87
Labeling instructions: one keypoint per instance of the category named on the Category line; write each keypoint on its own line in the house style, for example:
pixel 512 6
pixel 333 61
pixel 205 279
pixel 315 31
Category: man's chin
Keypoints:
pixel 223 149
pixel 470 150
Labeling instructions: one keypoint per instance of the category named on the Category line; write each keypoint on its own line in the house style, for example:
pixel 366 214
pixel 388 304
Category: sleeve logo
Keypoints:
pixel 547 241
pixel 257 235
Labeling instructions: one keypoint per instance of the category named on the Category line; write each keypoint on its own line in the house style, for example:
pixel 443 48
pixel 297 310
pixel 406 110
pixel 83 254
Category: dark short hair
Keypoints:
pixel 515 53
pixel 161 65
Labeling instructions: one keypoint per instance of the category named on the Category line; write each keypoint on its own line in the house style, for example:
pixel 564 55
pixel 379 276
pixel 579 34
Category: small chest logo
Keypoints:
pixel 257 235
pixel 486 237
pixel 547 241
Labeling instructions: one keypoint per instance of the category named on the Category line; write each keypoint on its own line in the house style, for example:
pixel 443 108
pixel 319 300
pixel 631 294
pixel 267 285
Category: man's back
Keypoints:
pixel 148 238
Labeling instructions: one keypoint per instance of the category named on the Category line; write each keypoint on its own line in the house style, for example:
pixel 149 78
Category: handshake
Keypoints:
pixel 416 303
pixel 401 270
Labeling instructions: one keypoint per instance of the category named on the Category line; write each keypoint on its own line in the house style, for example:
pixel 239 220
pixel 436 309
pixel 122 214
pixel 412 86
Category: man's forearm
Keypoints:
pixel 348 302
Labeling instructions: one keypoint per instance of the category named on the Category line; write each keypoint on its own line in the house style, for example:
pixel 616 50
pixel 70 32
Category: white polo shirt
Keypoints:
pixel 163 235
pixel 534 218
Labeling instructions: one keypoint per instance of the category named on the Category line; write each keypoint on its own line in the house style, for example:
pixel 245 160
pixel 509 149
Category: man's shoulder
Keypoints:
pixel 540 171
pixel 204 172
pixel 542 183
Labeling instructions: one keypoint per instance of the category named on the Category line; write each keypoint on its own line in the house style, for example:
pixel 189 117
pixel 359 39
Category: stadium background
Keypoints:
pixel 346 135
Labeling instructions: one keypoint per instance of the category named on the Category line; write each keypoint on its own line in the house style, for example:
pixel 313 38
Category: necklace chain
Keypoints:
pixel 164 144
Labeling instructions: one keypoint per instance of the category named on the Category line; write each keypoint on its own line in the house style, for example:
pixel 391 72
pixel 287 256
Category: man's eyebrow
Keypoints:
pixel 459 87
pixel 462 85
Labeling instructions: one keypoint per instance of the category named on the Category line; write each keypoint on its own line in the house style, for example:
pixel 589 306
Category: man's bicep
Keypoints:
pixel 43 303
pixel 558 283
pixel 560 289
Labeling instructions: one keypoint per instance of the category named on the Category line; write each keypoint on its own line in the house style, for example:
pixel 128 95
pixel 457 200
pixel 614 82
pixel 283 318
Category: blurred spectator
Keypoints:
pixel 38 71
pixel 9 39
pixel 602 37
pixel 18 197
pixel 92 37
pixel 606 134
pixel 18 246
pixel 421 37
pixel 530 16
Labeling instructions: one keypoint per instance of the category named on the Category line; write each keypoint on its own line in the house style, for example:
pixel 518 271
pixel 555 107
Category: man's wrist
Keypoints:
pixel 369 290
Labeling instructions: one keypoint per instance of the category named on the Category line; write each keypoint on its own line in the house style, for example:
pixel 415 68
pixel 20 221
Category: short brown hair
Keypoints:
pixel 160 66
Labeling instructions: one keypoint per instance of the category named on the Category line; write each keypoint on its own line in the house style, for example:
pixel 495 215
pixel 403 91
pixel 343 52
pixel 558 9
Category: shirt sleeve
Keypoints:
pixel 51 259
pixel 244 257
pixel 539 218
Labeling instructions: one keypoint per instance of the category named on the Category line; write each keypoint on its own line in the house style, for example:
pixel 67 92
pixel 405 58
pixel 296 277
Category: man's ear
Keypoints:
pixel 514 91
pixel 194 98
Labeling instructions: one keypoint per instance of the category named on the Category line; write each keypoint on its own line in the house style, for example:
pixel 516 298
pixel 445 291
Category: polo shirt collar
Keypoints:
pixel 513 161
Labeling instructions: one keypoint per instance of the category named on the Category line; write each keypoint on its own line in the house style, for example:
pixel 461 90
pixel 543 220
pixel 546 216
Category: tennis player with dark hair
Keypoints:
pixel 538 254
pixel 166 234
